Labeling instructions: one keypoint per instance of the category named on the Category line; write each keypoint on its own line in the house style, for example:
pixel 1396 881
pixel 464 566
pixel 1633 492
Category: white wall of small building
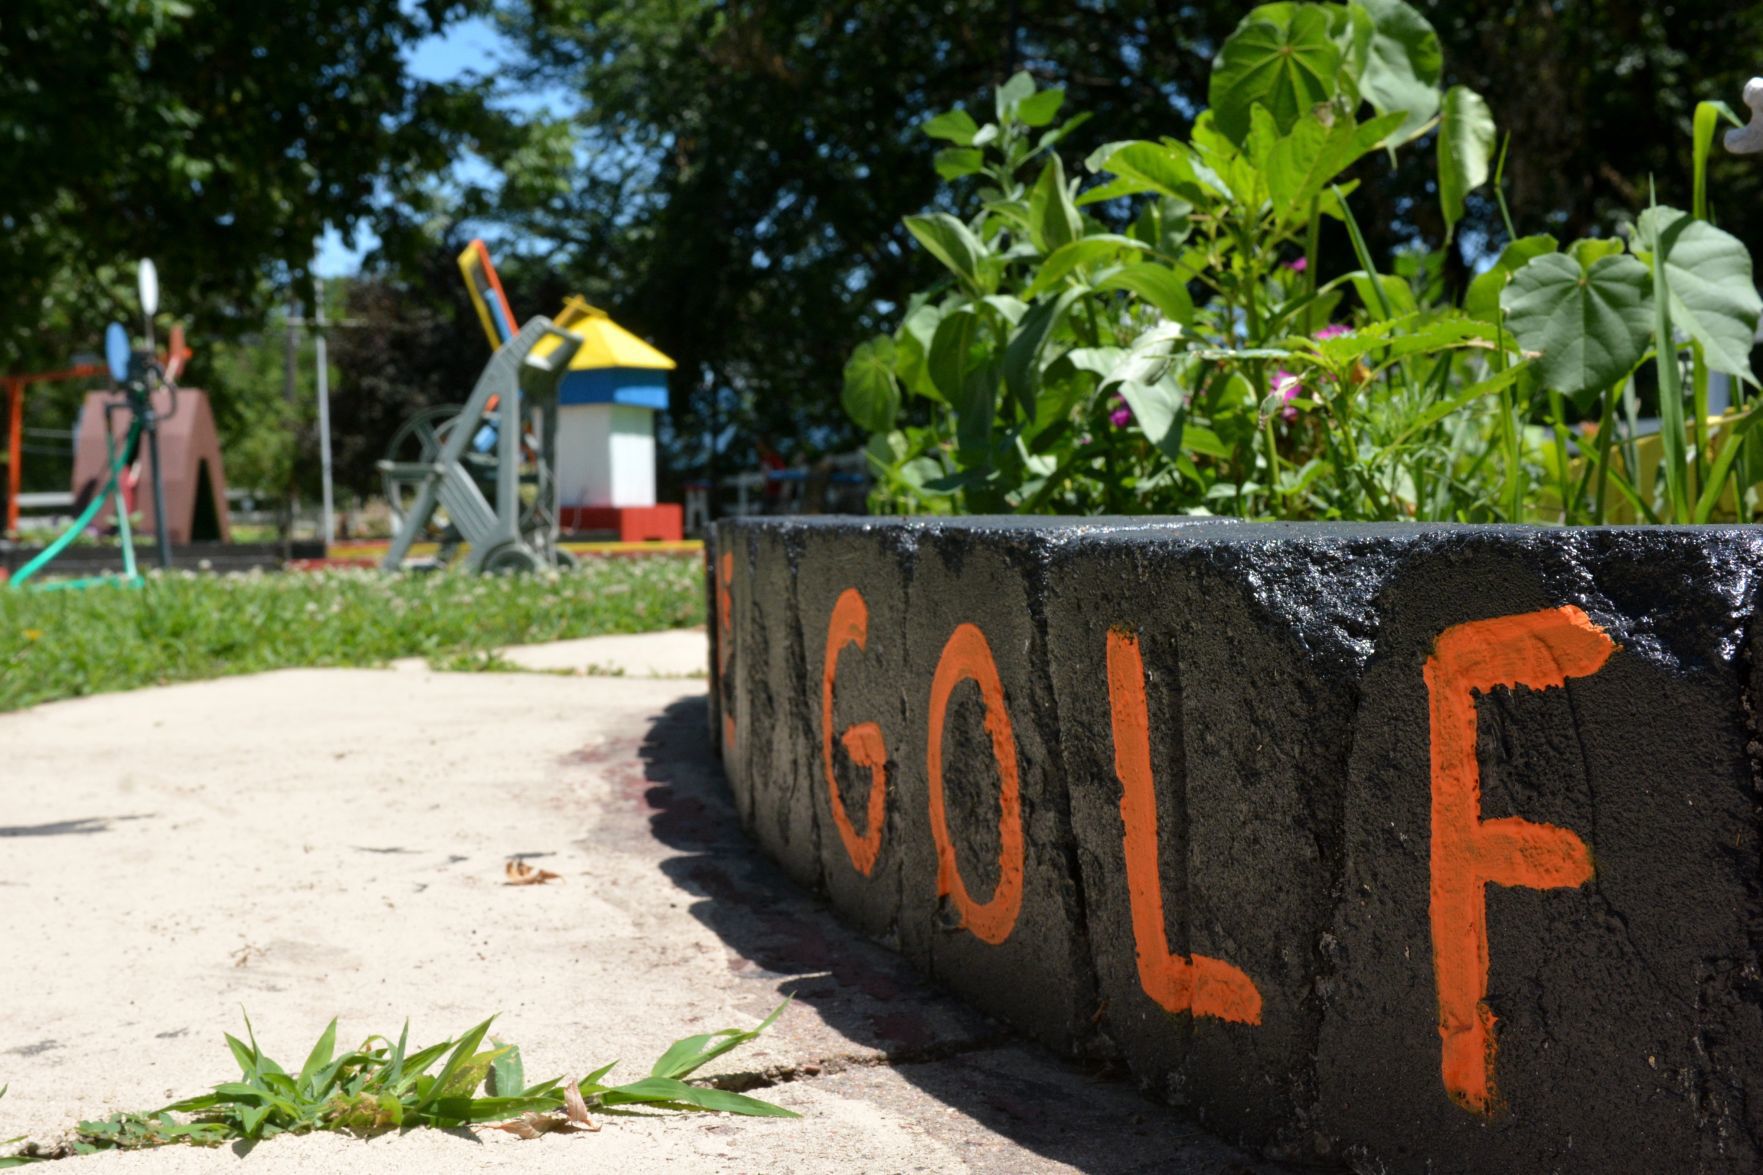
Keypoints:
pixel 605 455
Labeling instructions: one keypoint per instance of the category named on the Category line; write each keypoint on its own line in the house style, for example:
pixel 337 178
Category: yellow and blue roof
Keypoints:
pixel 612 366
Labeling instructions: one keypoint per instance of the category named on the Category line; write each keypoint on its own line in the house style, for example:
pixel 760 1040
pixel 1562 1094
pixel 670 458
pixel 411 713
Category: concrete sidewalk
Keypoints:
pixel 331 842
pixel 680 652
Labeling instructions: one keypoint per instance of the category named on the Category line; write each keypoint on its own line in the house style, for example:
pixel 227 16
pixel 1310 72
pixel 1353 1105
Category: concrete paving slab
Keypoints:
pixel 683 652
pixel 314 843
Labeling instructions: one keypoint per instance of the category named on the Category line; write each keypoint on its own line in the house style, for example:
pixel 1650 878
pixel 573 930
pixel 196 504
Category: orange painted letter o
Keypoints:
pixel 967 657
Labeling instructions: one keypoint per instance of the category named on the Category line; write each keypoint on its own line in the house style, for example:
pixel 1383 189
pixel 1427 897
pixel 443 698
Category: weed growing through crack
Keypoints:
pixel 381 1086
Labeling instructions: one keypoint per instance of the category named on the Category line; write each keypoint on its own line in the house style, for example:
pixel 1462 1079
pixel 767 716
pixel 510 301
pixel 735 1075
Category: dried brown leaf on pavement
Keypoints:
pixel 576 1108
pixel 573 1120
pixel 527 1125
pixel 519 872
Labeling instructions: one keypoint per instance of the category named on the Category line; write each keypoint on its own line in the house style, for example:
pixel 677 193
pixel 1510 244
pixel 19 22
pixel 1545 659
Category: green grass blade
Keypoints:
pixel 394 1067
pixel 242 1054
pixel 542 1088
pixel 1671 422
pixel 1364 255
pixel 1445 408
pixel 1500 188
pixel 251 1120
pixel 593 1079
pixel 462 1055
pixel 264 1063
pixel 680 1057
pixel 1708 116
pixel 507 1074
pixel 669 1092
pixel 418 1062
pixel 319 1057
pixel 281 1084
pixel 1735 440
pixel 692 1053
pixel 237 1091
pixel 458 1111
pixel 465 1079
pixel 1619 479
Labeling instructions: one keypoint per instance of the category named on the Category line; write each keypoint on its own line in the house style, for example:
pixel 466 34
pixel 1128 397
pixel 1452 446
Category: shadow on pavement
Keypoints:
pixel 85 826
pixel 776 931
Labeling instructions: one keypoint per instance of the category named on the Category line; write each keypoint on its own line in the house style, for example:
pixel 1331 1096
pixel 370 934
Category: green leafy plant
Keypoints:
pixel 382 1086
pixel 1164 340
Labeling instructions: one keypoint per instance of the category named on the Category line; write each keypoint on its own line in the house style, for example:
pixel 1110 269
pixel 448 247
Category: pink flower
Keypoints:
pixel 1287 386
pixel 1122 415
pixel 1298 266
pixel 1333 330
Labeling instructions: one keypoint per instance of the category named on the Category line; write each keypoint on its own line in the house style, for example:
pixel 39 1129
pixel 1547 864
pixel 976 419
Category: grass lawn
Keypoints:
pixel 185 627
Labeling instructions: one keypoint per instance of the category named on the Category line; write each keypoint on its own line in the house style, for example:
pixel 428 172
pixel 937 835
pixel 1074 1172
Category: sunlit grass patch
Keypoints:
pixel 183 626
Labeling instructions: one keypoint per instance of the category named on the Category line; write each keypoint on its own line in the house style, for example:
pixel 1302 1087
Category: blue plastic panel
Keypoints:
pixel 639 387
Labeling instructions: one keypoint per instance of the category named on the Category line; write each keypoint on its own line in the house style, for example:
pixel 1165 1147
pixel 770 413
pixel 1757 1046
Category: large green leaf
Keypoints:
pixel 912 350
pixel 1591 326
pixel 1466 144
pixel 1304 162
pixel 1402 65
pixel 1156 284
pixel 952 351
pixel 1483 299
pixel 1053 220
pixel 1079 254
pixel 955 126
pixel 952 243
pixel 1712 295
pixel 1166 168
pixel 1013 93
pixel 1396 293
pixel 1041 109
pixel 954 162
pixel 1288 68
pixel 1022 354
pixel 961 367
pixel 871 395
pixel 1159 409
pixel 1150 355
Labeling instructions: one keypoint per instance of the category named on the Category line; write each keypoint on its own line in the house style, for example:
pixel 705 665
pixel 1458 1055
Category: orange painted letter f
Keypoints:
pixel 1536 649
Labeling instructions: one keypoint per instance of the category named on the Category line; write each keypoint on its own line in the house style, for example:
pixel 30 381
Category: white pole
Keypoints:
pixel 324 417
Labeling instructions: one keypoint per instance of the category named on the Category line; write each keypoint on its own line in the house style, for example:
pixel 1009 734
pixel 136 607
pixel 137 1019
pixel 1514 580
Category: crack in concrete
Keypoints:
pixel 748 1080
pixel 1663 986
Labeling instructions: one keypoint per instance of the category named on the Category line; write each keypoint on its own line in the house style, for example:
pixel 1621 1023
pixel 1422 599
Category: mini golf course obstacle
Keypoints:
pixel 1429 847
pixel 194 479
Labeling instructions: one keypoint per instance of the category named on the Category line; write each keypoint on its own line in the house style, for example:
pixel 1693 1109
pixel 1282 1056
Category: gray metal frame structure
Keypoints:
pixel 527 385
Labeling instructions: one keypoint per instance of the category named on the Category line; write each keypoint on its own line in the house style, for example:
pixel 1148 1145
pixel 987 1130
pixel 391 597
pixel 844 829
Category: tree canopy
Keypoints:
pixel 221 139
pixel 728 178
pixel 732 177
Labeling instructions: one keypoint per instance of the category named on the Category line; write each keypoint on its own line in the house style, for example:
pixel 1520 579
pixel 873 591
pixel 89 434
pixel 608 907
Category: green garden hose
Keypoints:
pixel 129 575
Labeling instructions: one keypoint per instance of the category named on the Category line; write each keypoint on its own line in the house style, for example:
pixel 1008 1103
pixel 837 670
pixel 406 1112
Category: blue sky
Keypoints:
pixel 471 46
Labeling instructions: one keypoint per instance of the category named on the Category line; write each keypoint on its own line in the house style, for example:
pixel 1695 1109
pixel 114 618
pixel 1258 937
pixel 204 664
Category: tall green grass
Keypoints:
pixel 183 626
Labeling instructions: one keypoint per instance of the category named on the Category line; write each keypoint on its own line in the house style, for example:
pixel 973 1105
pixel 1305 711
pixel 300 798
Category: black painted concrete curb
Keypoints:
pixel 1435 847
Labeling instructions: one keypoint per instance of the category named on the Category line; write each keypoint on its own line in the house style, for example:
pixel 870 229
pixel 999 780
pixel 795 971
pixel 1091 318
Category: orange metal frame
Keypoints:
pixel 15 386
pixel 177 354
